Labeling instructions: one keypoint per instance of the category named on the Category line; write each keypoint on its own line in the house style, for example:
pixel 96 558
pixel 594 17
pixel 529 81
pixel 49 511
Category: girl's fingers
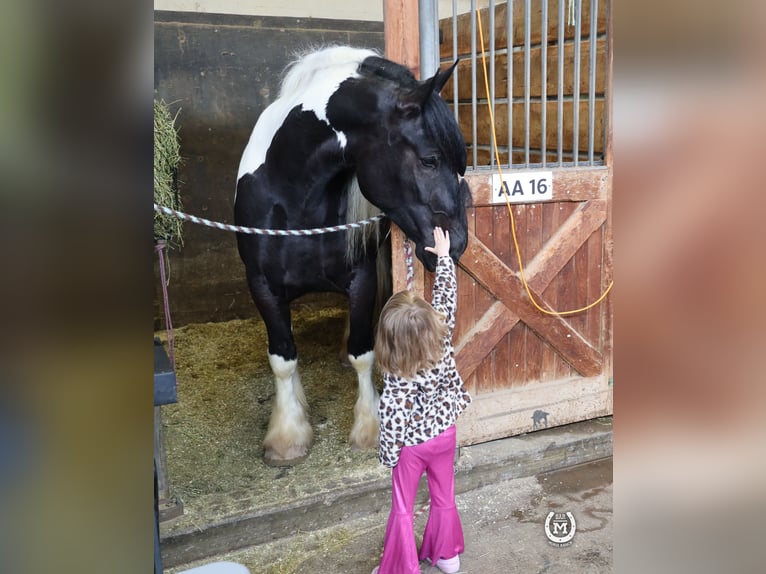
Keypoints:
pixel 441 241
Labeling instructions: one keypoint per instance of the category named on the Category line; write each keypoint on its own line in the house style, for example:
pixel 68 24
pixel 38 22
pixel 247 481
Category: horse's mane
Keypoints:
pixel 388 70
pixel 331 64
pixel 309 80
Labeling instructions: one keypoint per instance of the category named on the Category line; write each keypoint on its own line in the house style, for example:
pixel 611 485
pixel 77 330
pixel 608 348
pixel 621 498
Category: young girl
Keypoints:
pixel 422 397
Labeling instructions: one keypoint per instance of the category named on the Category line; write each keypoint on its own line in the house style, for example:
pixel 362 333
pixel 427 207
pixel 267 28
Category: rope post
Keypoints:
pixel 408 263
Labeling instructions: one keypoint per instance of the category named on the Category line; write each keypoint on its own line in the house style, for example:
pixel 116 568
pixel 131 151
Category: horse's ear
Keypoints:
pixel 412 104
pixel 433 84
pixel 440 78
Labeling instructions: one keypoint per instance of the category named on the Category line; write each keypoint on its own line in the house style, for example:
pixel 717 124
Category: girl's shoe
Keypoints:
pixel 448 565
pixel 375 570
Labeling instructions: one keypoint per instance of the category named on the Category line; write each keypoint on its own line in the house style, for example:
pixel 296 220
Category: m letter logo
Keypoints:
pixel 560 528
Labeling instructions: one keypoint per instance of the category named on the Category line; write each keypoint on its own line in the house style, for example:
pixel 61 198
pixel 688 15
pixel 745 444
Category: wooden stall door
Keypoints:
pixel 525 369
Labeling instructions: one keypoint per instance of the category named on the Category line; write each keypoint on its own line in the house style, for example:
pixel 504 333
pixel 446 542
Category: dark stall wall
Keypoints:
pixel 222 71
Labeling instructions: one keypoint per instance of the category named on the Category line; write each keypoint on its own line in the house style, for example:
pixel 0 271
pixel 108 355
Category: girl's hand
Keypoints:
pixel 441 242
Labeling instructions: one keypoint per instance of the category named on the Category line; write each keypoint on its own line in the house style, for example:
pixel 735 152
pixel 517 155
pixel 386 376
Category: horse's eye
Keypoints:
pixel 430 162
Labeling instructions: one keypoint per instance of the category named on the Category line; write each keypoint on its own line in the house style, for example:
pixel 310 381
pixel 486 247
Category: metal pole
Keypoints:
pixel 473 84
pixel 455 91
pixel 429 37
pixel 527 74
pixel 592 78
pixel 576 85
pixel 509 41
pixel 544 85
pixel 560 95
pixel 492 75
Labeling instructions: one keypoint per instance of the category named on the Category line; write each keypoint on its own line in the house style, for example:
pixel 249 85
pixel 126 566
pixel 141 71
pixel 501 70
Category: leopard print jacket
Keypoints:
pixel 414 411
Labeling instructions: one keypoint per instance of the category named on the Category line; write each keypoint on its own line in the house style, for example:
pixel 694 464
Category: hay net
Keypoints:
pixel 166 160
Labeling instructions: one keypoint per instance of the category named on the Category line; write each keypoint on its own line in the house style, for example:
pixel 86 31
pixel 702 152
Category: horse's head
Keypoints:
pixel 407 149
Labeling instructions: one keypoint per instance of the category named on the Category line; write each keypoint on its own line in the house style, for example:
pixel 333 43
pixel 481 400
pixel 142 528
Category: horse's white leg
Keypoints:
pixel 364 433
pixel 289 436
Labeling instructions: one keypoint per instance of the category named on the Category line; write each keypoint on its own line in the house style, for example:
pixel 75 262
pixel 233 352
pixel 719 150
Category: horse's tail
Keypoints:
pixel 358 209
pixel 358 240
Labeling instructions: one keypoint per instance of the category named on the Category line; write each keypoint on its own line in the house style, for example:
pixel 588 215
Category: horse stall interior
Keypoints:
pixel 217 73
pixel 525 369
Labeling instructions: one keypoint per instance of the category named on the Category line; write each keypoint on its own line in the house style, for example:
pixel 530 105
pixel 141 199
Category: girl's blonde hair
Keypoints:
pixel 409 336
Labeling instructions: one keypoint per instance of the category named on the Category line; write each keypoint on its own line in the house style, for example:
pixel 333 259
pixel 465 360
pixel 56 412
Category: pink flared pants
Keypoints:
pixel 443 536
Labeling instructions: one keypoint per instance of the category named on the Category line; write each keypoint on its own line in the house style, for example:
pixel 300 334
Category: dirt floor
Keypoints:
pixel 503 526
pixel 213 434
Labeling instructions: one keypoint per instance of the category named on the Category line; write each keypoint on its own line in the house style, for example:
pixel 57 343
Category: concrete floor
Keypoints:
pixel 503 525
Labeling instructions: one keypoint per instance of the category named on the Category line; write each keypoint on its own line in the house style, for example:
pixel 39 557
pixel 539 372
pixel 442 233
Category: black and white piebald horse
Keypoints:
pixel 350 135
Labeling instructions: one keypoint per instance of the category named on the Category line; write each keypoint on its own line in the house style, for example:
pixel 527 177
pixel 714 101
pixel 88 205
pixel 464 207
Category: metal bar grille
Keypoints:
pixel 548 105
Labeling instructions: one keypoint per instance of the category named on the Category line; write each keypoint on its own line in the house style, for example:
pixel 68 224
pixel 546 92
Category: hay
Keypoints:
pixel 292 555
pixel 166 160
pixel 214 434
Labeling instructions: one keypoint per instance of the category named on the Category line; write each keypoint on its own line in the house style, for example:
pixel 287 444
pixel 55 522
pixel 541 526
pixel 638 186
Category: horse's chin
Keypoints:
pixel 427 258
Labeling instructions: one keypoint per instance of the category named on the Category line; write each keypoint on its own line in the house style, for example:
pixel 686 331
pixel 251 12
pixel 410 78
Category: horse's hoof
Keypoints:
pixel 293 456
pixel 364 433
pixel 277 462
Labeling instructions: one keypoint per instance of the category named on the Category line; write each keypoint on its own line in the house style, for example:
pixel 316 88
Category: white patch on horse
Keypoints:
pixel 342 140
pixel 364 433
pixel 309 82
pixel 289 436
